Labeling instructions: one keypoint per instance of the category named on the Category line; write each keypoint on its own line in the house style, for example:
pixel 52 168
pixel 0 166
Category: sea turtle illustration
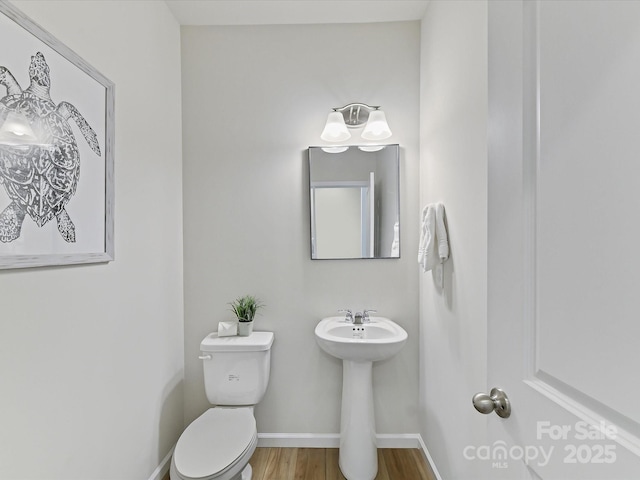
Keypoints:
pixel 40 176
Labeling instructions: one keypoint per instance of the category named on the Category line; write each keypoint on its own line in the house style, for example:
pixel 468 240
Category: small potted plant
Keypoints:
pixel 245 309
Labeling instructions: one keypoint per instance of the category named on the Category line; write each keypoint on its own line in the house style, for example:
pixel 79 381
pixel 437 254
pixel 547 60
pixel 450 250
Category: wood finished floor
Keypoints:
pixel 322 464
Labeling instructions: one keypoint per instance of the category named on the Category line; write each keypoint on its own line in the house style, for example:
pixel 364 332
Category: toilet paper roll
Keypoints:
pixel 227 329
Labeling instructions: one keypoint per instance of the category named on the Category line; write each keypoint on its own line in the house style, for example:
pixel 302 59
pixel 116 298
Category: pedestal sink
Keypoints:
pixel 358 346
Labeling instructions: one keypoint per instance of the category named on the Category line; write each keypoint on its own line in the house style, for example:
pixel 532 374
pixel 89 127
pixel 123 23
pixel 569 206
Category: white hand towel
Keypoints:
pixel 441 233
pixel 426 249
pixel 395 245
pixel 433 231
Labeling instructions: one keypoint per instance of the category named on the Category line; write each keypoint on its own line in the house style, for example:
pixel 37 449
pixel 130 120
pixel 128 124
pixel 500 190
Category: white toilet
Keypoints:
pixel 219 443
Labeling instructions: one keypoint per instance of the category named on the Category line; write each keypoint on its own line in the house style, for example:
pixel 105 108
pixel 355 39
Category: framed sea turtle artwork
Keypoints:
pixel 56 150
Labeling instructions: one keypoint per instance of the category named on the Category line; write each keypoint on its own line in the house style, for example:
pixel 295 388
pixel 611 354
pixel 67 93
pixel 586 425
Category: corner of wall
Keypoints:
pixel 453 170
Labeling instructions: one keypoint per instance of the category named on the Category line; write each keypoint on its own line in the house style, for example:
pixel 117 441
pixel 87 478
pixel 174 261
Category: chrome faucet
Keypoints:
pixel 358 318
pixel 362 317
pixel 348 316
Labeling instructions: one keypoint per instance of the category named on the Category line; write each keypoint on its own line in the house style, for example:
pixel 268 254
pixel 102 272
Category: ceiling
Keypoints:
pixel 278 12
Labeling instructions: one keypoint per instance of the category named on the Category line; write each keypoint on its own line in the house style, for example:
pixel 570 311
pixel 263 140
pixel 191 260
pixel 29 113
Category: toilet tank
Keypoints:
pixel 236 369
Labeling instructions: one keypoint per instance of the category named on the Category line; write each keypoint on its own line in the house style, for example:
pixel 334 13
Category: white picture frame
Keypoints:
pixel 57 190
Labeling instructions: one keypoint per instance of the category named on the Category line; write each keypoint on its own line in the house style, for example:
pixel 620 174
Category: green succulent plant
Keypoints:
pixel 246 307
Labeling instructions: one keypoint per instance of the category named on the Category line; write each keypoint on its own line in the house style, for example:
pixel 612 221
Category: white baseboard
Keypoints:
pixel 299 440
pixel 398 440
pixel 163 468
pixel 426 453
pixel 332 440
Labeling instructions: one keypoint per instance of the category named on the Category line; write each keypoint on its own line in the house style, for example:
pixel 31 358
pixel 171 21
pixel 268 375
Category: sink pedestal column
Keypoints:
pixel 358 457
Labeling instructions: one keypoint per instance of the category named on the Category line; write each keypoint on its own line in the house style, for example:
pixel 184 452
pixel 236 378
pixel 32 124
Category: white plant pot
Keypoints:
pixel 245 328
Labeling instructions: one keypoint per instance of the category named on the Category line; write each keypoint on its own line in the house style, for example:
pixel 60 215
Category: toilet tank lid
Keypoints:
pixel 256 342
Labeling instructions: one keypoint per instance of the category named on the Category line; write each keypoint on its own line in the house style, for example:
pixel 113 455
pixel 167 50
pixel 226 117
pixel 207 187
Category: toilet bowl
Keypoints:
pixel 216 446
pixel 219 443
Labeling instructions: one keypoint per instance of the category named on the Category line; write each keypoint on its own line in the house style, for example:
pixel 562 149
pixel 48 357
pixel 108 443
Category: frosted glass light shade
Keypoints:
pixel 377 127
pixel 335 129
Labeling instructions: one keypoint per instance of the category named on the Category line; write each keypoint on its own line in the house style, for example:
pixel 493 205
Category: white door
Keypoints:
pixel 564 239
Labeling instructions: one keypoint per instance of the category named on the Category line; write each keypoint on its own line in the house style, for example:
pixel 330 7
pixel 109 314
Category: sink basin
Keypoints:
pixel 378 339
pixel 359 346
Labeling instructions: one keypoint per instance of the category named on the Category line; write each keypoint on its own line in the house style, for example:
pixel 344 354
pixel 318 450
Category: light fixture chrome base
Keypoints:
pixel 356 114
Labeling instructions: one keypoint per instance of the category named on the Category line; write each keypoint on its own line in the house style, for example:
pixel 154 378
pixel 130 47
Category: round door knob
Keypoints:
pixel 496 401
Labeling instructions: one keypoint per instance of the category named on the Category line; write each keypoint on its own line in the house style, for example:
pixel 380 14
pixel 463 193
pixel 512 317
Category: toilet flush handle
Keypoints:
pixel 205 357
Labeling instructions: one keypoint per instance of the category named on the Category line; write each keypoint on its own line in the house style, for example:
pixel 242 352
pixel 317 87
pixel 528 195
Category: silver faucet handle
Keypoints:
pixel 348 315
pixel 366 313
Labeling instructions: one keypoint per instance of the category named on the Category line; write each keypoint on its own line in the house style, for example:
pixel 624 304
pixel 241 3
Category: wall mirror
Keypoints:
pixel 355 206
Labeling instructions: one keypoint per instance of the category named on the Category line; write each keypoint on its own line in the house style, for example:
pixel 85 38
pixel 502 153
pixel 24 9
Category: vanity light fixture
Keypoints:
pixel 355 115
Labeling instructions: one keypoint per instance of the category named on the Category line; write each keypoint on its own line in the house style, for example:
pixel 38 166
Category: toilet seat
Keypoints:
pixel 215 443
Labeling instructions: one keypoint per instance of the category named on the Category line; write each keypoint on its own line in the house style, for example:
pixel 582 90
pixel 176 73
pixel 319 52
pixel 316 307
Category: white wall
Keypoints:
pixel 254 98
pixel 91 357
pixel 453 170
